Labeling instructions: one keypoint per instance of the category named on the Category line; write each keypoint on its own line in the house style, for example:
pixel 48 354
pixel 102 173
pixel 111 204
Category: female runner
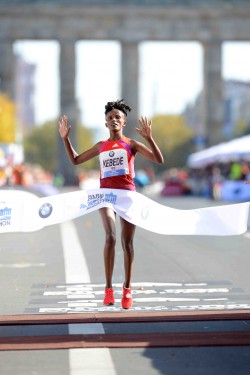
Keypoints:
pixel 116 155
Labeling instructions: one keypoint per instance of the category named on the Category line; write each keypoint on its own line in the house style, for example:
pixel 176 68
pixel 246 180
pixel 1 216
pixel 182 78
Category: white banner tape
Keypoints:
pixel 24 212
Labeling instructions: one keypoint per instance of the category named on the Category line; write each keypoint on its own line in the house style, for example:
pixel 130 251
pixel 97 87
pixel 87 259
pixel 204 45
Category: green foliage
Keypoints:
pixel 174 138
pixel 84 138
pixel 178 157
pixel 41 145
pixel 247 130
pixel 241 128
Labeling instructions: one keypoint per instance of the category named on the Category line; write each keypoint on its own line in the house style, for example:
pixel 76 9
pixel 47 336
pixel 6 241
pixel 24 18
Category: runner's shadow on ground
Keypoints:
pixel 230 360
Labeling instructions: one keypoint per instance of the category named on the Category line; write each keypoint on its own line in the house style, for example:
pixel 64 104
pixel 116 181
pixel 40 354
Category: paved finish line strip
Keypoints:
pixel 121 317
pixel 179 339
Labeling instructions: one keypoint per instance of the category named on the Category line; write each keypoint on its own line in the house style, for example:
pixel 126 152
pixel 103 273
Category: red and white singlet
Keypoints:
pixel 116 164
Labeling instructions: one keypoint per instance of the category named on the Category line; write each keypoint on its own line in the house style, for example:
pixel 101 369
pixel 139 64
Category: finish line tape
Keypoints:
pixel 25 212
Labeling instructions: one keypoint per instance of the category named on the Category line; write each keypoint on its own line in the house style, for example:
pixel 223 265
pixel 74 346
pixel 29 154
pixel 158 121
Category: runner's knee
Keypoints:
pixel 128 246
pixel 110 239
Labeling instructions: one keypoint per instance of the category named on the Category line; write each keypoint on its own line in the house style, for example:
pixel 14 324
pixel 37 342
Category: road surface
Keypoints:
pixel 59 270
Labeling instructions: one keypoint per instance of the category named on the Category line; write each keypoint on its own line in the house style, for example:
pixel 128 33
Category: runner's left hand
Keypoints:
pixel 146 127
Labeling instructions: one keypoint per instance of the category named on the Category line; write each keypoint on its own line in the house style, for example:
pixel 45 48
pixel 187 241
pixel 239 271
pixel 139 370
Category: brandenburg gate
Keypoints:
pixel 209 22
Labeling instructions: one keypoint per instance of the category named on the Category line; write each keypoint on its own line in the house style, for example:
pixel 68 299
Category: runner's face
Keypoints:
pixel 115 120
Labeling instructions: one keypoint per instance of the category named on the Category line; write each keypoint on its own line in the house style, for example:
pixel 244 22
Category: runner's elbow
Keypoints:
pixel 74 161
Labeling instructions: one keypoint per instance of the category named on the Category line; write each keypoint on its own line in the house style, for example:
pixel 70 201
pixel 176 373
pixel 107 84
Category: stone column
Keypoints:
pixel 68 106
pixel 213 102
pixel 7 64
pixel 130 69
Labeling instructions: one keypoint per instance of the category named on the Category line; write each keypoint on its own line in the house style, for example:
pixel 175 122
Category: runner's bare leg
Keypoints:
pixel 127 237
pixel 108 219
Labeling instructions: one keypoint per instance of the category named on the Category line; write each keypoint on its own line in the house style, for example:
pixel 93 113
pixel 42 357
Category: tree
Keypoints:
pixel 7 120
pixel 174 138
pixel 41 145
pixel 84 142
pixel 241 128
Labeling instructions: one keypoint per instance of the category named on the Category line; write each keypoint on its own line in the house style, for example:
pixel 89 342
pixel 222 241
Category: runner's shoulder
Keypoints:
pixel 135 145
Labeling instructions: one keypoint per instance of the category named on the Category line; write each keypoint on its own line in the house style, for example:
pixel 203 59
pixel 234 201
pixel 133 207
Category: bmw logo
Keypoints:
pixel 111 153
pixel 45 210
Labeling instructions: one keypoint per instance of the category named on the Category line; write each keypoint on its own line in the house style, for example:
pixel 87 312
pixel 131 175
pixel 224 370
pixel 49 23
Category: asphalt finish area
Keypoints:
pixel 188 291
pixel 164 297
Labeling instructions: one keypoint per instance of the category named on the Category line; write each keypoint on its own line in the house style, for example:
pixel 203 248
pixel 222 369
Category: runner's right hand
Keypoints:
pixel 64 129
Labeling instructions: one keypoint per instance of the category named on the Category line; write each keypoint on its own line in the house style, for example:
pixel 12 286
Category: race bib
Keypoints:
pixel 114 163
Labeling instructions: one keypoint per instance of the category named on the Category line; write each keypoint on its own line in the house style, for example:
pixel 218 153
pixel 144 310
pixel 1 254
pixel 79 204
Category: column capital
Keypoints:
pixel 67 40
pixel 211 42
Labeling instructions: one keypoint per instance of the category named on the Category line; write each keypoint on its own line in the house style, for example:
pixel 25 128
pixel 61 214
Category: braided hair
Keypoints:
pixel 117 104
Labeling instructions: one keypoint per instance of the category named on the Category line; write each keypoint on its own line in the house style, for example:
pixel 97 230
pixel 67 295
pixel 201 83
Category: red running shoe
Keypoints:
pixel 126 300
pixel 109 297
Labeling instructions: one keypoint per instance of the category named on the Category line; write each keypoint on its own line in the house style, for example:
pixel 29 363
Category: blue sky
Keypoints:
pixel 170 75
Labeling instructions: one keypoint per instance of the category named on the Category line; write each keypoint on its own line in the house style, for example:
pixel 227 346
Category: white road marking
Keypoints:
pixel 204 290
pixel 92 361
pixel 21 265
pixel 86 329
pixel 159 299
pixel 82 304
pixel 82 361
pixel 90 286
pixel 230 306
pixel 85 294
pixel 76 269
pixel 65 310
pixel 69 294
